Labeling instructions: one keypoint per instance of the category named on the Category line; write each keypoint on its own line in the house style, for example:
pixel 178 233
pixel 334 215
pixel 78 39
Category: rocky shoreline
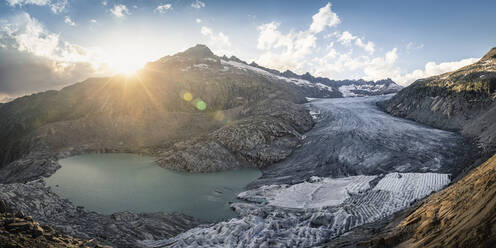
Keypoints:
pixel 121 229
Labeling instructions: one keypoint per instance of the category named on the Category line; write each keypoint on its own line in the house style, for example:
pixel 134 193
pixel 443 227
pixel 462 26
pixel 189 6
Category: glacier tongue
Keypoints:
pixel 278 217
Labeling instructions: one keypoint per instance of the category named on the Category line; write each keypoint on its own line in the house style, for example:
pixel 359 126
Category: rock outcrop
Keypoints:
pixel 463 100
pixel 20 231
pixel 121 229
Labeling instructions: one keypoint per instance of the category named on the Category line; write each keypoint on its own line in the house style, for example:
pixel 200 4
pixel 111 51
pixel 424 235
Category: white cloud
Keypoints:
pixel 56 6
pixel 69 22
pixel 284 51
pixel 412 45
pixel 26 34
pixel 219 42
pixel 297 50
pixel 346 38
pixel 120 10
pixel 93 21
pixel 197 4
pixel 368 47
pixel 25 2
pixel 432 68
pixel 324 18
pixel 104 3
pixel 43 60
pixel 163 8
pixel 198 20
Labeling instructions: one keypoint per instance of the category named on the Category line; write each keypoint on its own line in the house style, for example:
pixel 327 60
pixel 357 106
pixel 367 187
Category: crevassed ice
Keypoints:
pixel 263 224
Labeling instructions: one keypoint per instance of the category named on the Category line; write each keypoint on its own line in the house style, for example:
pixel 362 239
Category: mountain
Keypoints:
pixel 241 118
pixel 192 111
pixel 463 100
pixel 343 88
pixel 464 214
pixel 241 115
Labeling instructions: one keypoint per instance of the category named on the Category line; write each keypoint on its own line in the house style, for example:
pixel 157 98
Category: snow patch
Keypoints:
pixel 321 192
pixel 296 81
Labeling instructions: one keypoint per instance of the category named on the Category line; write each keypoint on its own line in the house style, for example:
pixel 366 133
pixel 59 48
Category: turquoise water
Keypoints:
pixel 109 183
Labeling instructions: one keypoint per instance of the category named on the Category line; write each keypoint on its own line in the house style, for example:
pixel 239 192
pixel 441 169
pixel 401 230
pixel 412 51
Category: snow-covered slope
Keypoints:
pixel 369 88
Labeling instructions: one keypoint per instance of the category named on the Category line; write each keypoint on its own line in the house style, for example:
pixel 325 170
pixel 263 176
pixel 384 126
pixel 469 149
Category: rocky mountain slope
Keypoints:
pixel 193 111
pixel 175 99
pixel 463 100
pixel 462 215
pixel 248 115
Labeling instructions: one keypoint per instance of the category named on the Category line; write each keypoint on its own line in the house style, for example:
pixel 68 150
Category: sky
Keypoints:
pixel 47 44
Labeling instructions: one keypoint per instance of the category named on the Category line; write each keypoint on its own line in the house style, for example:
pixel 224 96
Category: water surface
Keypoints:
pixel 109 183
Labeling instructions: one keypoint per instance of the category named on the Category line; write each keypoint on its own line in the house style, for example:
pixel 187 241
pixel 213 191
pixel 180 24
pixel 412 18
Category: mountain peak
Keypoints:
pixel 490 55
pixel 198 51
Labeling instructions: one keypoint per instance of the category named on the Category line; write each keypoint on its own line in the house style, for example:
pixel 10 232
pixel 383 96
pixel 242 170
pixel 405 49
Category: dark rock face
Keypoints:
pixel 18 230
pixel 121 229
pixel 463 100
pixel 266 133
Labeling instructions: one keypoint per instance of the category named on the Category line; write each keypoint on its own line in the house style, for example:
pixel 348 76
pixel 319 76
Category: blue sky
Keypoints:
pixel 65 41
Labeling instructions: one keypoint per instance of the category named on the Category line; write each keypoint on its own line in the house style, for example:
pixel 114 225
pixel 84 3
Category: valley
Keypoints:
pixel 357 165
pixel 329 164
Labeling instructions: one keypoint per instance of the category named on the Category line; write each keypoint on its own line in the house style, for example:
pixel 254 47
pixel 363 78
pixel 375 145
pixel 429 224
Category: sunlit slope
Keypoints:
pixel 176 98
pixel 463 100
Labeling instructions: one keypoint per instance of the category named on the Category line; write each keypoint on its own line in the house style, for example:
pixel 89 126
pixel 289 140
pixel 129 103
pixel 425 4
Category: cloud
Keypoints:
pixel 120 10
pixel 432 68
pixel 104 3
pixel 69 22
pixel 34 59
pixel 197 4
pixel 26 2
pixel 56 6
pixel 368 47
pixel 324 18
pixel 284 51
pixel 163 8
pixel 346 38
pixel 198 20
pixel 412 45
pixel 93 21
pixel 219 42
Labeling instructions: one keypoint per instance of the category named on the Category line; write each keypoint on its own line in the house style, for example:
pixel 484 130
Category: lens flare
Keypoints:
pixel 200 104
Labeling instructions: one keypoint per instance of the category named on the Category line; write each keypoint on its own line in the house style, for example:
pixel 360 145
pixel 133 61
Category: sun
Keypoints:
pixel 127 66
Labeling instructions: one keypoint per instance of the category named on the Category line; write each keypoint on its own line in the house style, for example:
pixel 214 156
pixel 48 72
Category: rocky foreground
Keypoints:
pixel 19 230
pixel 121 229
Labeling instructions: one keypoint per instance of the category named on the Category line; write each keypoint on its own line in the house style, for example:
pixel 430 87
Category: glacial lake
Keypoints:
pixel 109 183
